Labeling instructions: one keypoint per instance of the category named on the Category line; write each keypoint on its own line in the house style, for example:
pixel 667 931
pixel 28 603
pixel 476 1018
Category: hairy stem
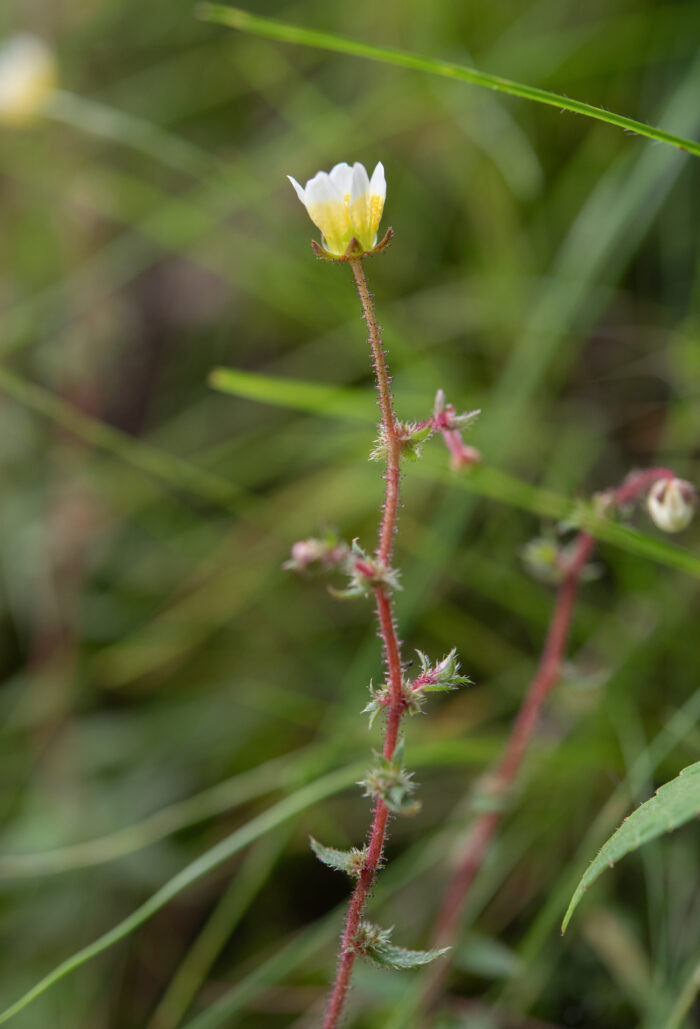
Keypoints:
pixel 521 734
pixel 391 646
pixel 545 678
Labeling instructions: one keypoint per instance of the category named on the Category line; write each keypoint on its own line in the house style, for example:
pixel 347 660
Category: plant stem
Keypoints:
pixel 523 728
pixel 392 653
pixel 391 499
pixel 636 484
pixel 545 678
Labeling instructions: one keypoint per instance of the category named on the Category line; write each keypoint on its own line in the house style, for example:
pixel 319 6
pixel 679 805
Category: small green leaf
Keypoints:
pixel 375 943
pixel 673 804
pixel 401 957
pixel 348 861
pixel 444 676
pixel 379 702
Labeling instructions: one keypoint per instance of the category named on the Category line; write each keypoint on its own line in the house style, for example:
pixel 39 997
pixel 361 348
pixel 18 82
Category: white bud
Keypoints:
pixel 671 503
pixel 27 78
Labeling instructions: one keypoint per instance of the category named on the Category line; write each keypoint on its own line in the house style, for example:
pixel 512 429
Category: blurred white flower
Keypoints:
pixel 671 503
pixel 345 204
pixel 27 78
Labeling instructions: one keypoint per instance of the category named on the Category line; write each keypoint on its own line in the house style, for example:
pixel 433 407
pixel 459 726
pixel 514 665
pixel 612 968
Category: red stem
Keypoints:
pixel 545 679
pixel 638 482
pixel 392 654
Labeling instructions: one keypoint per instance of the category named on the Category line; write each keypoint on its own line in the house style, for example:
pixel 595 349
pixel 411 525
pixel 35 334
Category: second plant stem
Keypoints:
pixel 391 647
pixel 545 678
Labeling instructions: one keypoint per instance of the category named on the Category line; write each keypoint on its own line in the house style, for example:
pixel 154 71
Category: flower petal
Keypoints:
pixel 321 189
pixel 377 190
pixel 362 208
pixel 299 191
pixel 377 186
pixel 360 181
pixel 328 210
pixel 341 175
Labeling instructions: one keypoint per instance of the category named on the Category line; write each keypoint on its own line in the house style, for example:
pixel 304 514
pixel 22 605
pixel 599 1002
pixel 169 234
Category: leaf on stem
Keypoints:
pixel 366 573
pixel 375 944
pixel 439 678
pixel 349 861
pixel 410 437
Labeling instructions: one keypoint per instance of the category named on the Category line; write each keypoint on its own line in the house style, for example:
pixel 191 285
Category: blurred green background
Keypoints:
pixel 154 655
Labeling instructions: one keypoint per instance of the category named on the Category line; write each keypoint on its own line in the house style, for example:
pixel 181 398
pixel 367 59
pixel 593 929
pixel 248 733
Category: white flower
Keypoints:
pixel 671 503
pixel 345 204
pixel 27 78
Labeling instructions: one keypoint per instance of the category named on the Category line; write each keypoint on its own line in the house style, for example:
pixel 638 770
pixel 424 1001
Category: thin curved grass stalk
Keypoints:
pixel 224 796
pixel 267 821
pixel 203 952
pixel 257 827
pixel 235 18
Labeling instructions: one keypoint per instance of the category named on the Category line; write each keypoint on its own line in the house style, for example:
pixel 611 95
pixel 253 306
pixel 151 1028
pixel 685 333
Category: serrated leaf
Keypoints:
pixel 673 804
pixel 424 662
pixel 348 861
pixel 389 956
pixel 375 944
pixel 445 687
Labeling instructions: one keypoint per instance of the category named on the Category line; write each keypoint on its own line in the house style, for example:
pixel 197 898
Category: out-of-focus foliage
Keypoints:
pixel 545 269
pixel 673 804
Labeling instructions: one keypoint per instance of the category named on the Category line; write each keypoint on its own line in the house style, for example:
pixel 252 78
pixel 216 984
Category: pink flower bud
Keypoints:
pixel 305 552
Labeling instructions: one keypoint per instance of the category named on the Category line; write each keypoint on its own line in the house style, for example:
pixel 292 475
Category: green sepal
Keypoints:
pixel 379 702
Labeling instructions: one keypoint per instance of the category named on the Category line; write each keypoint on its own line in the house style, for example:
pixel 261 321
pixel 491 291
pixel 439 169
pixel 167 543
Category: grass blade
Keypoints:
pixel 275 816
pixel 224 796
pixel 486 481
pixel 449 751
pixel 311 397
pixel 174 471
pixel 673 804
pixel 207 946
pixel 235 18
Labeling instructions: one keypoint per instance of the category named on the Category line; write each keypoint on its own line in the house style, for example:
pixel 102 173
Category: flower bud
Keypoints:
pixel 671 503
pixel 27 78
pixel 346 205
pixel 326 553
